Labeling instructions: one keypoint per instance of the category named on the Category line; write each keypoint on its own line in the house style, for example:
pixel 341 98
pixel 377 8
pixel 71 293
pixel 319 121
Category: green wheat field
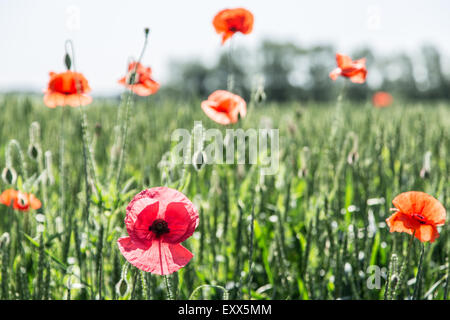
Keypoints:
pixel 315 230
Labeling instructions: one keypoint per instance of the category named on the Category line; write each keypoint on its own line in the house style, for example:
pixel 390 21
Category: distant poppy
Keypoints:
pixel 157 221
pixel 20 200
pixel 224 107
pixel 382 99
pixel 418 213
pixel 229 21
pixel 67 88
pixel 354 70
pixel 140 82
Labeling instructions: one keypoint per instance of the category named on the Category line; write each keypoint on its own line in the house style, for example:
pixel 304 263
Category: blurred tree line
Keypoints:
pixel 301 73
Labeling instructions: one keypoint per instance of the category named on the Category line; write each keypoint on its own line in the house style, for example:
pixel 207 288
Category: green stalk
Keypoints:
pixel 403 268
pixel 168 287
pixel 419 274
pixel 5 267
pixel 61 168
pixel 250 257
pixel 127 114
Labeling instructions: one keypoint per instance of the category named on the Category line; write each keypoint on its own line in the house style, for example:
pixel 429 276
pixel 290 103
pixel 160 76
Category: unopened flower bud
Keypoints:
pixel 9 175
pixel 98 129
pixel 34 152
pixel 199 160
pixel 353 157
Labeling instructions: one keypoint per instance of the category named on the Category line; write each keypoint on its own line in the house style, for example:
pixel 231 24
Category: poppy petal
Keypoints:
pixel 144 90
pixel 35 203
pixel 343 61
pixel 141 227
pixel 426 233
pixel 137 226
pixel 399 222
pixel 76 100
pixel 417 202
pixel 226 36
pixel 219 117
pixel 160 258
pixel 335 73
pixel 360 63
pixel 224 107
pixel 359 77
pixel 179 222
pixel 53 99
pixel 8 196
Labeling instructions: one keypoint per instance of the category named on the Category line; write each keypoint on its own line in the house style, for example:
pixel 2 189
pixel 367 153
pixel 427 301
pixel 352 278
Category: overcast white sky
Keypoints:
pixel 106 33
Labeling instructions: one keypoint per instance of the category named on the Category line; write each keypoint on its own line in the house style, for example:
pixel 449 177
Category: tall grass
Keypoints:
pixel 315 230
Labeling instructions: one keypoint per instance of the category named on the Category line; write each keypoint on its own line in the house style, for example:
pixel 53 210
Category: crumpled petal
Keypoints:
pixel 354 70
pixel 224 107
pixel 144 85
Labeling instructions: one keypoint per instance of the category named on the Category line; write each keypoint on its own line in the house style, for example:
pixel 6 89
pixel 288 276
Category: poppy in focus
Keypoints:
pixel 419 213
pixel 20 200
pixel 224 107
pixel 229 21
pixel 67 88
pixel 382 99
pixel 140 82
pixel 354 70
pixel 157 221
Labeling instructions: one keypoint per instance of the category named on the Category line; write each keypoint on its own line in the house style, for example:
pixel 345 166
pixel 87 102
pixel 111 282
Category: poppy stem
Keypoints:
pixel 61 166
pixel 88 158
pixel 403 268
pixel 168 287
pixel 129 102
pixel 419 274
pixel 250 255
pixel 230 76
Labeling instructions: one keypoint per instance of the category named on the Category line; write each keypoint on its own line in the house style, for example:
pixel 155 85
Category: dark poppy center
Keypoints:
pixel 22 201
pixel 421 219
pixel 159 227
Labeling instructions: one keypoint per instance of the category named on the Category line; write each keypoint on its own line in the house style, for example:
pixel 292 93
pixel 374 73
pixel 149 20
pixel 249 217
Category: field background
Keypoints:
pixel 309 232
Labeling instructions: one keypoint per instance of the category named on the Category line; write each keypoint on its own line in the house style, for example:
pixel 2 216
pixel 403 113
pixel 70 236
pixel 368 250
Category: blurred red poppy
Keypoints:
pixel 419 213
pixel 382 99
pixel 354 70
pixel 20 200
pixel 67 88
pixel 229 21
pixel 224 107
pixel 140 82
pixel 157 221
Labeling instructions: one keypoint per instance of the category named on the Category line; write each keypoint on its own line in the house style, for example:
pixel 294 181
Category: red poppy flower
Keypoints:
pixel 418 213
pixel 20 200
pixel 224 107
pixel 354 70
pixel 67 88
pixel 141 83
pixel 157 221
pixel 229 21
pixel 382 99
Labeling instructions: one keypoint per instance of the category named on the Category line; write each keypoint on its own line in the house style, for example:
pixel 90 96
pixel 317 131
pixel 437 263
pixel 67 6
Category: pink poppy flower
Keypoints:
pixel 157 221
